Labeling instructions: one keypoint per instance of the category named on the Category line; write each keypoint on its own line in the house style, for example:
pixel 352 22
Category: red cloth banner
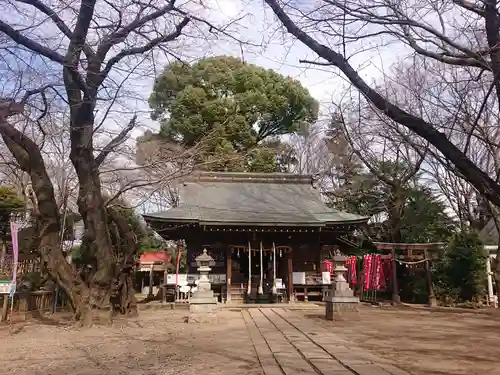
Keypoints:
pixel 328 266
pixel 367 271
pixel 350 264
pixel 382 282
pixel 376 272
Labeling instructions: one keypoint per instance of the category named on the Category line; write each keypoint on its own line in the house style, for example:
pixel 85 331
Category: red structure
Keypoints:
pixel 410 253
pixel 148 258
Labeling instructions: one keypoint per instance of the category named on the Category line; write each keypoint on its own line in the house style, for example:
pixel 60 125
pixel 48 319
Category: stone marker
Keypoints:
pixel 339 298
pixel 203 304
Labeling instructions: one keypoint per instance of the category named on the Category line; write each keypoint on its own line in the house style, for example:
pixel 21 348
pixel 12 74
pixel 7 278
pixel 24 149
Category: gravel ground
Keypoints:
pixel 160 342
pixel 424 342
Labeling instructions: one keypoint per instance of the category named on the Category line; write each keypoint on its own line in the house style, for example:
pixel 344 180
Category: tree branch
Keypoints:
pixel 61 25
pixel 138 50
pixel 320 63
pixel 470 6
pixel 116 141
pixel 19 38
pixel 479 179
pixel 119 36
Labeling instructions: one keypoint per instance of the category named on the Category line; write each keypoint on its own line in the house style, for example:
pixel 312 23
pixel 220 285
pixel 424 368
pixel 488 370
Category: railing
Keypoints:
pixel 23 267
pixel 29 303
pixel 183 294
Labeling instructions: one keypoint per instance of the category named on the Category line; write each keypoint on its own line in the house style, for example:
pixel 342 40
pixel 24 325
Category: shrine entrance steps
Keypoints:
pixel 239 295
pixel 238 292
pixel 288 344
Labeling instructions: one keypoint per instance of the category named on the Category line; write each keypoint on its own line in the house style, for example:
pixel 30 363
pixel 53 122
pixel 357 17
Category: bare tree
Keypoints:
pixel 345 22
pixel 388 153
pixel 458 39
pixel 102 45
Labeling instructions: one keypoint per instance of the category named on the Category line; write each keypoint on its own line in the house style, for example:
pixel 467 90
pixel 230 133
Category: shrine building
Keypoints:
pixel 267 232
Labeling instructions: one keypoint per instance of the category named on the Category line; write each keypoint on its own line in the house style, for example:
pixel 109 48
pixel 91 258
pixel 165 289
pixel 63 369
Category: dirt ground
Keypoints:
pixel 160 342
pixel 423 342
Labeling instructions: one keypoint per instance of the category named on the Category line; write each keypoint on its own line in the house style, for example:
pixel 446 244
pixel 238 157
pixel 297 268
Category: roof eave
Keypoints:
pixel 157 219
pixel 347 222
pixel 262 224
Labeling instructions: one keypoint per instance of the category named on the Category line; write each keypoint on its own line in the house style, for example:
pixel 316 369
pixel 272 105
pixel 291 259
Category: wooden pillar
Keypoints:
pixel 260 290
pixel 150 292
pixel 395 287
pixel 432 298
pixel 491 296
pixel 229 268
pixel 249 286
pixel 5 308
pixel 290 276
pixel 164 283
pixel 274 269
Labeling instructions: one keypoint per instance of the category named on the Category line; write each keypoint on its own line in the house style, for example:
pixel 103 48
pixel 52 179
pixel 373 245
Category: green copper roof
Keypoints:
pixel 272 199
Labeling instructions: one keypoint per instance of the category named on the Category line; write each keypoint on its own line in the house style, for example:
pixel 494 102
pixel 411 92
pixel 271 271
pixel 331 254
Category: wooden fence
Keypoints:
pixel 27 304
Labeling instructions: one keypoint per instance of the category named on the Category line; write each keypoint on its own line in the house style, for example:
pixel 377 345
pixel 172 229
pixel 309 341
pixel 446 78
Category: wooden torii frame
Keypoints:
pixel 422 250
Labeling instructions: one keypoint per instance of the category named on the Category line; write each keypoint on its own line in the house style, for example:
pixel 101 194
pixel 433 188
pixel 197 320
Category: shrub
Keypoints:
pixel 460 275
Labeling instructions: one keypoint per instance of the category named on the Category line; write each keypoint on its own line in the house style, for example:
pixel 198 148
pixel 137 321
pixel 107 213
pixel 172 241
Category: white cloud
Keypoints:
pixel 278 52
pixel 268 46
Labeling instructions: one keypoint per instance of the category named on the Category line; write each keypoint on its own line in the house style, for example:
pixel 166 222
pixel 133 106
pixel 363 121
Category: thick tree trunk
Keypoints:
pixel 29 158
pixel 90 201
pixel 123 294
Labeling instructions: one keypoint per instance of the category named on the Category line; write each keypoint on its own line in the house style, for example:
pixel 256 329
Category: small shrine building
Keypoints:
pixel 268 233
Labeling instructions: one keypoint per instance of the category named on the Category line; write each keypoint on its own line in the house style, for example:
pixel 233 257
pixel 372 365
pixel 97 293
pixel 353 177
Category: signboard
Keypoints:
pixel 6 287
pixel 191 278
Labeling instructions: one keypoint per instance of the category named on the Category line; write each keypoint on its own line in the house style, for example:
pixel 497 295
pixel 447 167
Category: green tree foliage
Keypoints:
pixel 10 204
pixel 424 218
pixel 240 109
pixel 461 274
pixel 144 239
pixel 173 250
pixel 423 215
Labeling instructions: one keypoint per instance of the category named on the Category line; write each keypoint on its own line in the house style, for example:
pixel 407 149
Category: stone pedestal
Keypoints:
pixel 203 303
pixel 339 299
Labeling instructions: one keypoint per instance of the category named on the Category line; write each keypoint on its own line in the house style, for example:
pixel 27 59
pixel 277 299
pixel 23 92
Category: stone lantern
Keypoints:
pixel 203 304
pixel 204 262
pixel 339 297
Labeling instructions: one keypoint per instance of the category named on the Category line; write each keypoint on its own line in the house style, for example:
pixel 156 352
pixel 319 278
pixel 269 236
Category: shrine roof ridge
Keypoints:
pixel 261 199
pixel 251 177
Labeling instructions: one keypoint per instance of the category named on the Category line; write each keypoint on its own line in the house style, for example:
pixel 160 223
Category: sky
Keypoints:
pixel 272 49
pixel 257 25
pixel 279 52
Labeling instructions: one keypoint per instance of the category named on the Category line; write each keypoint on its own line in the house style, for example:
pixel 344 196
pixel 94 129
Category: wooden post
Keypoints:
pixel 164 283
pixel 249 286
pixel 150 292
pixel 260 290
pixel 395 288
pixel 290 276
pixel 432 298
pixel 274 269
pixel 229 268
pixel 5 307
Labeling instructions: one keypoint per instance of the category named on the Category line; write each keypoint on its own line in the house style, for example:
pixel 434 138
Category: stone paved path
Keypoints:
pixel 288 344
